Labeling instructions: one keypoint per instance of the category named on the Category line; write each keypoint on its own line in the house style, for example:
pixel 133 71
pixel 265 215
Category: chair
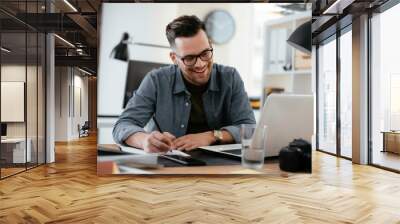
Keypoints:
pixel 287 117
pixel 84 130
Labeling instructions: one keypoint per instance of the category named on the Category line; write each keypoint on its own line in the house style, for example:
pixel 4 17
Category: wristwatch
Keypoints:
pixel 218 136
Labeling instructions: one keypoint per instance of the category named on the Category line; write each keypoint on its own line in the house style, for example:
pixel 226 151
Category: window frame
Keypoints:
pixel 334 37
pixel 379 10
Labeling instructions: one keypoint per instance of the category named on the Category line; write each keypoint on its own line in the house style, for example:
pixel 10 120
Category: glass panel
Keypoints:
pixel 41 98
pixel 31 98
pixel 346 94
pixel 327 97
pixel 22 88
pixel 31 86
pixel 385 89
pixel 13 87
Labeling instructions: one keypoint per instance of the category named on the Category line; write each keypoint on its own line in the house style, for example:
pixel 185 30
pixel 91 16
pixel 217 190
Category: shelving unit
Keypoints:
pixel 284 66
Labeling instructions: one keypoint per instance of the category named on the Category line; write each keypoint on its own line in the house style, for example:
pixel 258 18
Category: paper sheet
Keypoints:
pixel 142 152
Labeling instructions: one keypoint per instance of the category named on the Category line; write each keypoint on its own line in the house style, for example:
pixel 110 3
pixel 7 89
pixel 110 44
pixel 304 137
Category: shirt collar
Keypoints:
pixel 180 85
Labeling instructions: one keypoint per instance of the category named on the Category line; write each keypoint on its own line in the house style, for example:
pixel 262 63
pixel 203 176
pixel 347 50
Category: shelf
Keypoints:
pixel 299 72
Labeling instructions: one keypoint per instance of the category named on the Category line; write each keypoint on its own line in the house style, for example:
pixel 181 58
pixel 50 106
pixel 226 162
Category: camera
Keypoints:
pixel 296 157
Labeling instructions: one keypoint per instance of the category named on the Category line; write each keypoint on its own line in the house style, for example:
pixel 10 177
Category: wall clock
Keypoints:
pixel 220 26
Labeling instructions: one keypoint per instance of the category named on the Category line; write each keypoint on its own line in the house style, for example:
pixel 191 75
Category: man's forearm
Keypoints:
pixel 136 140
pixel 226 137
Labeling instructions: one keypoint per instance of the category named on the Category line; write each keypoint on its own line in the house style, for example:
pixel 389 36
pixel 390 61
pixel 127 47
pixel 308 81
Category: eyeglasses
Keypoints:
pixel 191 60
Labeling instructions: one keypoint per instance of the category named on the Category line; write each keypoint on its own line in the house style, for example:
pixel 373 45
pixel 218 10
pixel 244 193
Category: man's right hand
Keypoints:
pixel 152 142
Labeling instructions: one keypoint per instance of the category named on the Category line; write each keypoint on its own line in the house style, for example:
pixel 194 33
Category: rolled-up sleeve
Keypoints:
pixel 138 112
pixel 240 111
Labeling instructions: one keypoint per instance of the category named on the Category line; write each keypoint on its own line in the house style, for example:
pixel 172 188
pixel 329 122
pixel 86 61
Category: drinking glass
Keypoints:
pixel 253 145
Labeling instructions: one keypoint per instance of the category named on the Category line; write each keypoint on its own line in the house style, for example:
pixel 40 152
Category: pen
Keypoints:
pixel 158 126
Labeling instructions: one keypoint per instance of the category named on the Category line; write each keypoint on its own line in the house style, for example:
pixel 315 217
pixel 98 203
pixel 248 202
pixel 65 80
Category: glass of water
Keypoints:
pixel 253 142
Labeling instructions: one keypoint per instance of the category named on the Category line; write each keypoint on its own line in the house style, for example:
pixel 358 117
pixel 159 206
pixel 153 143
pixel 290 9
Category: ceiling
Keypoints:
pixel 329 16
pixel 72 20
pixel 76 22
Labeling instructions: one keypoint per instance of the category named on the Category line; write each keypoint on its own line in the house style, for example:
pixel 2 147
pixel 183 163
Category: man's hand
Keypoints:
pixel 152 142
pixel 192 141
pixel 158 142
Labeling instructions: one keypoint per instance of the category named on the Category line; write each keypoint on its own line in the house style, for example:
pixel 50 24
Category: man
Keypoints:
pixel 194 102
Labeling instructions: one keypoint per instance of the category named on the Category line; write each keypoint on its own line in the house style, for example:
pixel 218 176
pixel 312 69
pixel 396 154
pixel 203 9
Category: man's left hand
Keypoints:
pixel 192 141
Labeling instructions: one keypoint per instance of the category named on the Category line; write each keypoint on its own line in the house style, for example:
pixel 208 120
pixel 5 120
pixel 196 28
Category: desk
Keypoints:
pixel 391 141
pixel 271 167
pixel 13 150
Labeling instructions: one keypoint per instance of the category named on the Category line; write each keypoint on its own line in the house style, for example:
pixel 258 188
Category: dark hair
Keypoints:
pixel 183 26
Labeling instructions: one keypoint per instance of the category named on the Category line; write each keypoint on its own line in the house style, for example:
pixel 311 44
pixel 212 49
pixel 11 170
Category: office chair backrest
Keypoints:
pixel 287 117
pixel 86 125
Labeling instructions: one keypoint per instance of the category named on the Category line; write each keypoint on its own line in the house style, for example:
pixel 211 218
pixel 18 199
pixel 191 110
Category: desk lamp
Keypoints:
pixel 301 38
pixel 121 52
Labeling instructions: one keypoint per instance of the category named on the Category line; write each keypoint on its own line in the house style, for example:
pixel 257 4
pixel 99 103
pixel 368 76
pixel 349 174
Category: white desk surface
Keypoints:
pixel 13 140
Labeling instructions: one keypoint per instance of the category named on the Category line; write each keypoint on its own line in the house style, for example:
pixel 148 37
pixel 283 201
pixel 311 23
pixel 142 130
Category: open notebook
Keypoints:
pixel 133 160
pixel 121 149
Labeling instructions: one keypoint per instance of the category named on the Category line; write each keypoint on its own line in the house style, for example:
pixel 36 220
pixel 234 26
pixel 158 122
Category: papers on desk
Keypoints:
pixel 137 161
pixel 142 152
pixel 220 148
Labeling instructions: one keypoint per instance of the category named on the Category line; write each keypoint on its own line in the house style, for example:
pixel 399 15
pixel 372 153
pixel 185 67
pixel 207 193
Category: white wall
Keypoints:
pixel 79 117
pixel 12 73
pixel 61 103
pixel 69 81
pixel 237 52
pixel 143 25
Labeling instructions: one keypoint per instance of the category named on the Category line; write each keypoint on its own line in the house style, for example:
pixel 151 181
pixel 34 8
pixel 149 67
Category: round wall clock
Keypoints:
pixel 220 26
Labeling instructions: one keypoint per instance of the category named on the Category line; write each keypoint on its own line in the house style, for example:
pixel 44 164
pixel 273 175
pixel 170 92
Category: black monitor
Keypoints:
pixel 3 129
pixel 137 70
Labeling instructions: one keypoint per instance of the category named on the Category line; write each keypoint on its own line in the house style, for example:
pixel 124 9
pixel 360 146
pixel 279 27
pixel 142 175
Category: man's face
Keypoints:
pixel 198 73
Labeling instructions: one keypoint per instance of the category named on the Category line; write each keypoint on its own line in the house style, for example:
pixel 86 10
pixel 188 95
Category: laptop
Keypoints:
pixel 231 150
pixel 287 117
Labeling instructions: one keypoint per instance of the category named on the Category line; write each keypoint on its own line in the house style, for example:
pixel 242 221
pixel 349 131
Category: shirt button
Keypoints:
pixel 182 125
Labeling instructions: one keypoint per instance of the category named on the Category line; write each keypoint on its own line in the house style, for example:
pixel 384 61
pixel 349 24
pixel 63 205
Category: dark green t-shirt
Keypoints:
pixel 197 120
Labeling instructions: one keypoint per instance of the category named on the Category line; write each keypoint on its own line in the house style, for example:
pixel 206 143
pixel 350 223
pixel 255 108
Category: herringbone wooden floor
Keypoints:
pixel 70 192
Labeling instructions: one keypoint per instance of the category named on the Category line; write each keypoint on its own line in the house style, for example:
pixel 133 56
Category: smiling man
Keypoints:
pixel 195 101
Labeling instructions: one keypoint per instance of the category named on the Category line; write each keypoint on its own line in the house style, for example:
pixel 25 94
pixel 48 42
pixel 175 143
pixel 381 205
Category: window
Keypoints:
pixel 346 94
pixel 385 88
pixel 327 96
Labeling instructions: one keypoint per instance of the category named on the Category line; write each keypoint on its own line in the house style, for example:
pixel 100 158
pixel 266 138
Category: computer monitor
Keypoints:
pixel 137 70
pixel 3 129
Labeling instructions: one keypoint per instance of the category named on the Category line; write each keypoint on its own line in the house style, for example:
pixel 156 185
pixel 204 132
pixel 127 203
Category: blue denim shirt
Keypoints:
pixel 163 94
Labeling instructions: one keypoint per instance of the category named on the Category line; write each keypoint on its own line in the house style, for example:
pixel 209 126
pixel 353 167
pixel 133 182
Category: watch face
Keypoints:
pixel 218 135
pixel 220 26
